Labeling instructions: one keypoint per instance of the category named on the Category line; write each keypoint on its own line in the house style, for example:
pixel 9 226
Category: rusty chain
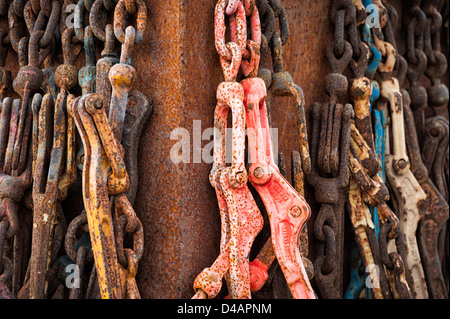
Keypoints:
pixel 435 160
pixel 39 142
pixel 422 23
pixel 437 94
pixel 434 218
pixel 367 189
pixel 436 60
pixel 230 182
pixel 287 211
pixel 330 148
pixel 357 281
pixel 58 101
pixel 391 73
pixel 109 135
pixel 5 74
pixel 279 83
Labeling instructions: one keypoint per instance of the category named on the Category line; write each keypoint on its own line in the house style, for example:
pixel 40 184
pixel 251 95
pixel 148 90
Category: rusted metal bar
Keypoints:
pixel 51 146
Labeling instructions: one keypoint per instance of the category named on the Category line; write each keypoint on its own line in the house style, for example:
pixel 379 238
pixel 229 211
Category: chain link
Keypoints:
pixel 38 139
pixel 34 26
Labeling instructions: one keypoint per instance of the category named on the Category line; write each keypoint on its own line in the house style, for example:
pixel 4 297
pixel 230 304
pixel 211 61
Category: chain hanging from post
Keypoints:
pixel 436 61
pixel 134 113
pixel 96 202
pixel 116 274
pixel 357 280
pixel 238 210
pixel 437 92
pixel 109 56
pixel 86 74
pixel 79 251
pixel 5 74
pixel 119 75
pixel 8 216
pixel 49 191
pixel 329 170
pixel 287 210
pixel 378 118
pixel 67 77
pixel 435 157
pixel 18 156
pixel 279 83
pixel 409 201
pixel 419 51
pixel 366 188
